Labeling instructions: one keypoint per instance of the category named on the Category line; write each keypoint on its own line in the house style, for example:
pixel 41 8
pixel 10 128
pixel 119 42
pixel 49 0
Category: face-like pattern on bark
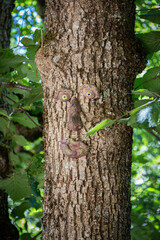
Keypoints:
pixel 71 148
pixel 74 122
pixel 89 91
pixel 64 95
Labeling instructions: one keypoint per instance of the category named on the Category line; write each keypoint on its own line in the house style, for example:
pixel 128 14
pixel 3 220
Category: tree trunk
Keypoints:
pixel 6 7
pixel 88 197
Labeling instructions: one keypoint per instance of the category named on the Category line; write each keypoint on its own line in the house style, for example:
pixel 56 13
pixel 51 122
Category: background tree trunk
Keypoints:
pixel 88 198
pixel 7 230
pixel 6 7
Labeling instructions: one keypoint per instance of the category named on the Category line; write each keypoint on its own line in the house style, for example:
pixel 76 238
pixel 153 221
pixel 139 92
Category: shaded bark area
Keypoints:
pixel 7 230
pixel 6 7
pixel 88 198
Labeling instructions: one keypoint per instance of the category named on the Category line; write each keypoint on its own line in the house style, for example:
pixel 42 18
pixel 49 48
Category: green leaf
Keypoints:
pixel 153 190
pixel 16 186
pixel 157 129
pixel 106 123
pixel 12 96
pixel 135 110
pixel 26 236
pixel 155 112
pixel 3 126
pixel 139 103
pixel 150 80
pixel 151 73
pixel 34 184
pixel 36 167
pixel 145 115
pixel 153 16
pixel 35 95
pixel 4 113
pixel 151 41
pixel 132 122
pixel 24 156
pixel 13 157
pixel 27 42
pixel 31 72
pixel 31 52
pixel 123 120
pixel 19 210
pixel 22 119
pixel 20 140
pixel 20 91
pixel 10 60
pixel 145 92
pixel 37 35
pixel 2 88
pixel 35 204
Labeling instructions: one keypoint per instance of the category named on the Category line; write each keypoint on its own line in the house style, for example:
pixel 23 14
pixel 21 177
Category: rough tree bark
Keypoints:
pixel 88 198
pixel 7 230
pixel 6 7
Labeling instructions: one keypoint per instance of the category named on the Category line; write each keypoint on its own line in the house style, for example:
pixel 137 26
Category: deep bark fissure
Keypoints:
pixel 95 45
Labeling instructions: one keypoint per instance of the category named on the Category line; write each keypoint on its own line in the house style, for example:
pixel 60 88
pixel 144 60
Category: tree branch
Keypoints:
pixel 39 128
pixel 153 134
pixel 14 85
pixel 147 81
pixel 36 236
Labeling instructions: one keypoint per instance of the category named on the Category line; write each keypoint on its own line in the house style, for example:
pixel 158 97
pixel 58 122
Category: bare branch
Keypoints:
pixel 14 85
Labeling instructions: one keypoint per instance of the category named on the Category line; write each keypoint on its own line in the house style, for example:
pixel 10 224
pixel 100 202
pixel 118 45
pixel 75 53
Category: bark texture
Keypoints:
pixel 6 7
pixel 88 198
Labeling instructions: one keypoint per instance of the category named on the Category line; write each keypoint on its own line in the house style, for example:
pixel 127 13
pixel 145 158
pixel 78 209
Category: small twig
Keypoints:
pixel 36 236
pixel 40 129
pixel 153 134
pixel 147 81
pixel 14 85
pixel 41 38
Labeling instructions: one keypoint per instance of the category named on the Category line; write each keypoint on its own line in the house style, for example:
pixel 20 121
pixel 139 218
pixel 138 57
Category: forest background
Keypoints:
pixel 21 126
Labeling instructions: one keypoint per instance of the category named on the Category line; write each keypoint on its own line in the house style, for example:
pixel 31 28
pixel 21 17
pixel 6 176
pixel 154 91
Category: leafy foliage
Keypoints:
pixel 153 15
pixel 151 41
pixel 16 186
pixel 20 121
pixel 145 187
